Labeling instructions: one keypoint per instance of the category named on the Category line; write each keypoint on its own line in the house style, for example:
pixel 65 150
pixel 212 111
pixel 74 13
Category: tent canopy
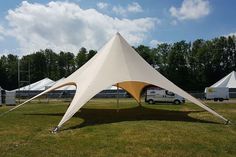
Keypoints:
pixel 40 85
pixel 228 81
pixel 117 63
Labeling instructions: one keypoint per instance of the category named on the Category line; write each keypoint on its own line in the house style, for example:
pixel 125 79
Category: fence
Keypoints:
pixel 71 93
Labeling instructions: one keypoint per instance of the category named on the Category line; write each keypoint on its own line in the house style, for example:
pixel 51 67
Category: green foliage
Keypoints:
pixel 8 69
pixel 81 57
pixel 66 63
pixel 91 54
pixel 177 69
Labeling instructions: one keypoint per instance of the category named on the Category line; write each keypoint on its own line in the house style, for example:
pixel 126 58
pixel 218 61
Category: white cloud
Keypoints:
pixel 131 8
pixel 174 22
pixel 66 26
pixel 2 32
pixel 191 9
pixel 134 7
pixel 102 5
pixel 119 10
pixel 231 34
pixel 154 43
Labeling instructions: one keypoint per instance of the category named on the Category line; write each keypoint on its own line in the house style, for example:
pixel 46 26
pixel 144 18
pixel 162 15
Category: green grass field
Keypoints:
pixel 98 130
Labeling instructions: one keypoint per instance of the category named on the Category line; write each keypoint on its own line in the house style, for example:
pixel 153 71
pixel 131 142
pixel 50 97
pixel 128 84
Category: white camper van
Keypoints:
pixel 162 95
pixel 217 93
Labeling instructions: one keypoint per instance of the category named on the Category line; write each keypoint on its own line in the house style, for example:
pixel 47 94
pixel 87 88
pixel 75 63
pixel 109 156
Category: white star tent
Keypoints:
pixel 69 87
pixel 228 81
pixel 117 63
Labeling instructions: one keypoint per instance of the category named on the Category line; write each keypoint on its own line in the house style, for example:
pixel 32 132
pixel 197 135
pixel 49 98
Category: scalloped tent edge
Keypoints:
pixel 117 63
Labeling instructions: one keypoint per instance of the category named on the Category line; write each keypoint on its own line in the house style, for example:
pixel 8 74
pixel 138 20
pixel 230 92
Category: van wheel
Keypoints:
pixel 221 99
pixel 177 102
pixel 151 101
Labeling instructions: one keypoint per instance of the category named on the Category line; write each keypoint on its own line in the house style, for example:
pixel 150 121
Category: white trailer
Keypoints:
pixel 162 95
pixel 10 98
pixel 217 93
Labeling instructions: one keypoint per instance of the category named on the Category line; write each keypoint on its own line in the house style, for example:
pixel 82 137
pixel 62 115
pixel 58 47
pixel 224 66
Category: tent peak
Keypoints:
pixel 117 33
pixel 227 81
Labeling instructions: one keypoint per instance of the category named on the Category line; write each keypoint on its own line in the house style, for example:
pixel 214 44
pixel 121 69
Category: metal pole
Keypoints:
pixel 117 98
pixel 29 78
pixel 19 79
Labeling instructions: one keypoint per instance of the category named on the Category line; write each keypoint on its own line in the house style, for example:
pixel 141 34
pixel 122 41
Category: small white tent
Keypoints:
pixel 117 63
pixel 228 81
pixel 40 85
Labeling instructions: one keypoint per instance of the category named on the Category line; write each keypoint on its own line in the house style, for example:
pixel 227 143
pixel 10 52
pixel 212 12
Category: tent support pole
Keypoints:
pixel 117 98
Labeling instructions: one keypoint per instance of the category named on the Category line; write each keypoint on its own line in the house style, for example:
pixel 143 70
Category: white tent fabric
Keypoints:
pixel 45 83
pixel 72 87
pixel 40 85
pixel 117 63
pixel 113 88
pixel 69 87
pixel 228 81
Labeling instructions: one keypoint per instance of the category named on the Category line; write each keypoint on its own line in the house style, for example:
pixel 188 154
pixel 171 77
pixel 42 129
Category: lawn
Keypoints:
pixel 99 130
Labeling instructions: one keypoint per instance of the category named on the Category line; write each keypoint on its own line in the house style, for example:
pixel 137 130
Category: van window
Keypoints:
pixel 169 93
pixel 152 92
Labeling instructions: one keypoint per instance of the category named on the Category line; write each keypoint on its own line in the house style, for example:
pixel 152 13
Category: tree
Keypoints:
pixel 81 57
pixel 231 53
pixel 91 54
pixel 66 63
pixel 147 54
pixel 8 69
pixel 38 65
pixel 52 64
pixel 163 51
pixel 3 73
pixel 177 69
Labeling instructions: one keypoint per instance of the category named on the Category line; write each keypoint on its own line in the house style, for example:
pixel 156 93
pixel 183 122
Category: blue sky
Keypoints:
pixel 67 25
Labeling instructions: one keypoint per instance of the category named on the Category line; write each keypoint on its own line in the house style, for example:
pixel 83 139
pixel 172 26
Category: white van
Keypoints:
pixel 162 95
pixel 217 93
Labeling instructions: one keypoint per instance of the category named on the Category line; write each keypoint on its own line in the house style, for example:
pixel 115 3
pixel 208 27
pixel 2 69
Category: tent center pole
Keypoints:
pixel 117 98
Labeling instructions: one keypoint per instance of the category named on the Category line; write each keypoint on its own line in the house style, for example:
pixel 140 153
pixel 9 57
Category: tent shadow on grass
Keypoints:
pixel 106 116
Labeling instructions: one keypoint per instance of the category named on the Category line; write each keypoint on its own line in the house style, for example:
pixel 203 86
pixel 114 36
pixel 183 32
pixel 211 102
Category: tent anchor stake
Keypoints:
pixel 227 122
pixel 55 129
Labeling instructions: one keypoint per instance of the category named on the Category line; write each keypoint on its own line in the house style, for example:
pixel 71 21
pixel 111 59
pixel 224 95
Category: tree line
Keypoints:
pixel 191 65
